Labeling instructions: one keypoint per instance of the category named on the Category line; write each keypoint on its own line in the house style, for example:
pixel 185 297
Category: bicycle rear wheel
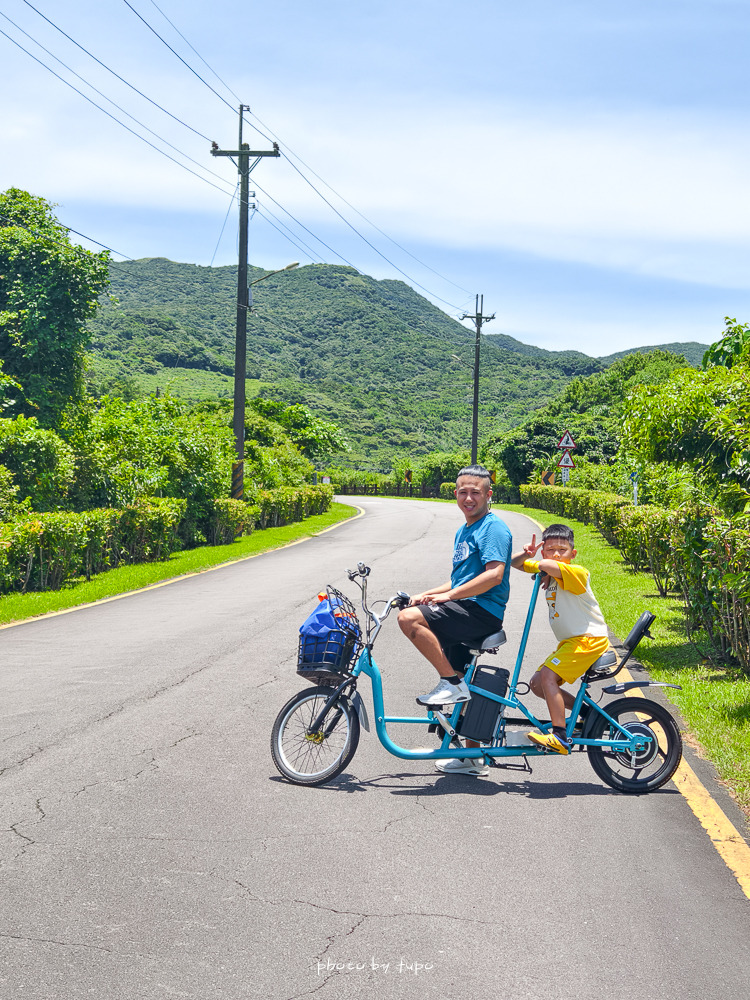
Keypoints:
pixel 313 757
pixel 640 770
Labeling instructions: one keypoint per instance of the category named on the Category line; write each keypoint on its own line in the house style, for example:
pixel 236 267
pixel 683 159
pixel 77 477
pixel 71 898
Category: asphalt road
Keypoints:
pixel 149 849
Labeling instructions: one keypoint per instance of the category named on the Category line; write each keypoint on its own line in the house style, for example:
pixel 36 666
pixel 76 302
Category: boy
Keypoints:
pixel 576 620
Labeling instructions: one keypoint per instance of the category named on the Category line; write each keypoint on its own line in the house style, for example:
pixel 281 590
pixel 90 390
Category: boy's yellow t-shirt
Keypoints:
pixel 573 609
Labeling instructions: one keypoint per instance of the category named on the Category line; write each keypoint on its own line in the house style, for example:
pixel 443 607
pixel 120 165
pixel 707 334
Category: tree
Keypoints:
pixel 314 436
pixel 48 289
pixel 698 419
pixel 590 408
pixel 41 463
pixel 732 349
pixel 10 390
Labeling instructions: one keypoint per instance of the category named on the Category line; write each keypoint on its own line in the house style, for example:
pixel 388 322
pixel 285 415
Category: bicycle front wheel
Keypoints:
pixel 636 770
pixel 309 757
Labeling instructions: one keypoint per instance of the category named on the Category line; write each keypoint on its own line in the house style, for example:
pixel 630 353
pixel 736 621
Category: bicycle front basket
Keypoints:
pixel 329 640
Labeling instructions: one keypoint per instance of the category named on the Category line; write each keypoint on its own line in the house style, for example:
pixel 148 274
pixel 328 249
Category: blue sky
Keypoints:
pixel 585 166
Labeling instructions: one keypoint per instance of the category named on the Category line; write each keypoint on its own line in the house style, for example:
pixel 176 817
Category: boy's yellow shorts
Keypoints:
pixel 574 656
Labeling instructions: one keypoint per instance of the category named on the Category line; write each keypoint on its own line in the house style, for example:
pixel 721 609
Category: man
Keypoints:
pixel 443 621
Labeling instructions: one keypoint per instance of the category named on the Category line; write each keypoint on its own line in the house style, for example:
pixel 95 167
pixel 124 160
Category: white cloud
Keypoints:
pixel 653 192
pixel 649 193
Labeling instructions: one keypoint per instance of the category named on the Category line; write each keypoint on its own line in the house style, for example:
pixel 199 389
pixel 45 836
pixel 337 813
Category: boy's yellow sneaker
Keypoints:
pixel 550 741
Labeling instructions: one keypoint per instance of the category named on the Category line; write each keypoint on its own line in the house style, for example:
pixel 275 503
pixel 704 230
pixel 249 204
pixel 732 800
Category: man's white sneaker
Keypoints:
pixel 445 693
pixel 456 765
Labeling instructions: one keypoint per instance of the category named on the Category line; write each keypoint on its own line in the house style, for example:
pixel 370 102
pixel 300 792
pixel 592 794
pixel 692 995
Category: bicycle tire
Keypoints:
pixel 313 758
pixel 645 770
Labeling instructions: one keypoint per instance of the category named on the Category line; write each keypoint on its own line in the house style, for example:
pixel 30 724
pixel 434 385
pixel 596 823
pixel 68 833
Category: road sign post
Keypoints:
pixel 566 463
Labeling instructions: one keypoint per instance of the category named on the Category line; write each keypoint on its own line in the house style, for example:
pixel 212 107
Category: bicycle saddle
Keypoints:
pixel 604 664
pixel 491 642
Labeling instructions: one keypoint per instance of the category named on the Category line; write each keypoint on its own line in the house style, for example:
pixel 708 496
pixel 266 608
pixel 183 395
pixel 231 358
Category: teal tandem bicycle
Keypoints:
pixel 633 743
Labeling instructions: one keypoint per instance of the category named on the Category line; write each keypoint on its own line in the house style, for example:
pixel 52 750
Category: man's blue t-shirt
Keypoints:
pixel 487 540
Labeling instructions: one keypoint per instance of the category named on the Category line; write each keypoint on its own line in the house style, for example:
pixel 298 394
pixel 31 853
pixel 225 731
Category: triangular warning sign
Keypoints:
pixel 566 441
pixel 566 461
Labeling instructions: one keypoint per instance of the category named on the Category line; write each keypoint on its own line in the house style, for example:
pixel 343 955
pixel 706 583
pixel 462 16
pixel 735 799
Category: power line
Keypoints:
pixel 109 70
pixel 174 26
pixel 110 115
pixel 409 278
pixel 223 227
pixel 294 167
pixel 132 131
pixel 264 213
pixel 180 121
pixel 309 231
pixel 13 223
pixel 370 245
pixel 360 214
pixel 177 54
pixel 109 99
pixel 104 245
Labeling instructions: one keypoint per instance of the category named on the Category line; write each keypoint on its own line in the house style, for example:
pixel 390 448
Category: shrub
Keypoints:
pixel 148 528
pixel 40 551
pixel 599 509
pixel 644 536
pixel 41 463
pixel 291 503
pixel 231 518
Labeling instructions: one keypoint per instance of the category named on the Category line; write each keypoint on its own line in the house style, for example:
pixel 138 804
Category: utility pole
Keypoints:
pixel 244 169
pixel 479 319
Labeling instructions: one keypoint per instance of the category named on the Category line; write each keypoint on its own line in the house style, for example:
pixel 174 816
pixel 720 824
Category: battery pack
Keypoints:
pixel 481 714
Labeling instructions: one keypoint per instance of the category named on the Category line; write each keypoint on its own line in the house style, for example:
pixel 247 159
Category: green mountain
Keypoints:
pixel 690 350
pixel 374 356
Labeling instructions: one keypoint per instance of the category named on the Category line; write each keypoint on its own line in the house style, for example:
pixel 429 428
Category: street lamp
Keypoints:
pixel 240 374
pixel 289 267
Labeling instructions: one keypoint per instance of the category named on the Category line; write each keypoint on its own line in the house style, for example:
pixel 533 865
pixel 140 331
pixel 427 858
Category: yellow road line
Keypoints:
pixel 728 841
pixel 183 576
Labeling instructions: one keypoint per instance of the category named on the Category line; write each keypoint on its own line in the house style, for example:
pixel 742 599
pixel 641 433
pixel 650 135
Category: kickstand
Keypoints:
pixel 508 766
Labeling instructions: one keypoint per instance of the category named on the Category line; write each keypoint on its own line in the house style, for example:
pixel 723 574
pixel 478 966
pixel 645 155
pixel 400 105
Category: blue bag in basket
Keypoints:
pixel 329 638
pixel 321 638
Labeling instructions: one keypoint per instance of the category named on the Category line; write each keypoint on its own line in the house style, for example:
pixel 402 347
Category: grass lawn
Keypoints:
pixel 715 703
pixel 17 607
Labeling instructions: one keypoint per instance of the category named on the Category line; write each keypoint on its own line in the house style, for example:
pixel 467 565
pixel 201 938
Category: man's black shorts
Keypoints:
pixel 458 626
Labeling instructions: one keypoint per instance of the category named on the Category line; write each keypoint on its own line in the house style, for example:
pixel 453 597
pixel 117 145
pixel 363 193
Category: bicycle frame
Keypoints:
pixel 367 665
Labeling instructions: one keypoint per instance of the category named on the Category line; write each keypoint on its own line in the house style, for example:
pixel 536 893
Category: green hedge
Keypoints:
pixel 231 519
pixel 40 551
pixel 288 504
pixel 591 507
pixel 696 550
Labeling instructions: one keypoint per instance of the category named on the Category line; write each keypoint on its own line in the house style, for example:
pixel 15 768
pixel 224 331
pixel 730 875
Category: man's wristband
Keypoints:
pixel 531 565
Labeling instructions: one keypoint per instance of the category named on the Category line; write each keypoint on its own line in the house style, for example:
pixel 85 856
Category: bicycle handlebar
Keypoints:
pixel 361 570
pixel 401 600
